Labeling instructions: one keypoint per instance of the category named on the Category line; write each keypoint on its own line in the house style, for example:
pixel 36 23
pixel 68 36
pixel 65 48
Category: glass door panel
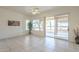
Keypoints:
pixel 62 27
pixel 27 21
pixel 50 26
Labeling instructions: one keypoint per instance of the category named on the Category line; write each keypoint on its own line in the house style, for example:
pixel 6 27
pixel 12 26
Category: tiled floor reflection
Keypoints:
pixel 36 44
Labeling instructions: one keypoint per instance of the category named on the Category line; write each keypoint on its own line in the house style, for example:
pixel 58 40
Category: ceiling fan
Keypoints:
pixel 35 11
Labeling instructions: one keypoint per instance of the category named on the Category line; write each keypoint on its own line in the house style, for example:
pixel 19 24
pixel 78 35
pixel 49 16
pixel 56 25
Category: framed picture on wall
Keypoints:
pixel 13 23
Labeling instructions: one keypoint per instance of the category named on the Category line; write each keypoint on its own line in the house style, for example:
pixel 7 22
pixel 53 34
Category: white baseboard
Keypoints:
pixel 19 34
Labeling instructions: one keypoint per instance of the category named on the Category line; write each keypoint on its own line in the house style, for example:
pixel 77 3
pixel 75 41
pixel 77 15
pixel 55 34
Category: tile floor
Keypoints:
pixel 36 44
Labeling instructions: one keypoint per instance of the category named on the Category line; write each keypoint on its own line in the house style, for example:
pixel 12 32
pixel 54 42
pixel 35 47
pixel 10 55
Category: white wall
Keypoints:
pixel 73 17
pixel 11 31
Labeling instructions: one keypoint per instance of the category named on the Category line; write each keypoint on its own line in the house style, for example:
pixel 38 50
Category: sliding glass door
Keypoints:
pixel 57 26
pixel 62 27
pixel 27 21
pixel 50 24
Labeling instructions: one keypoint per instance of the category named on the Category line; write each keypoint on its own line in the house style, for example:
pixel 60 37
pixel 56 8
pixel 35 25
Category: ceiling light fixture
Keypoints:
pixel 35 11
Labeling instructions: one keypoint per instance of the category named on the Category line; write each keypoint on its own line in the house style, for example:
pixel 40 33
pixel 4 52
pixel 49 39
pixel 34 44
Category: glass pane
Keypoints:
pixel 52 23
pixel 27 21
pixel 48 22
pixel 62 26
pixel 35 24
pixel 48 28
pixel 41 25
pixel 62 23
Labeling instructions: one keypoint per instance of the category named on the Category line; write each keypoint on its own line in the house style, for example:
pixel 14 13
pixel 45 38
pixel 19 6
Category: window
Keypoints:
pixel 38 25
pixel 27 21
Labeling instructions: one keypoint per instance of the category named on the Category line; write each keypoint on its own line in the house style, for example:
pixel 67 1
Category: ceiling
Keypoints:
pixel 28 9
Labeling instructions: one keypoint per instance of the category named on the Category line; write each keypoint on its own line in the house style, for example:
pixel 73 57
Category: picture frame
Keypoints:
pixel 13 23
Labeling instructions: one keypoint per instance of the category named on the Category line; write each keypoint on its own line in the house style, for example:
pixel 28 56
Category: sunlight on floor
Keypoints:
pixel 37 44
